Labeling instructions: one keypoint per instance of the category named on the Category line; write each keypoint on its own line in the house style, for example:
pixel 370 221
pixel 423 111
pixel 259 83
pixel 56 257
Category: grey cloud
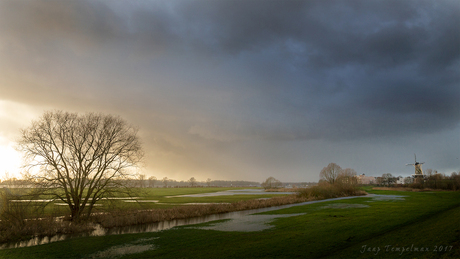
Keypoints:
pixel 82 23
pixel 201 76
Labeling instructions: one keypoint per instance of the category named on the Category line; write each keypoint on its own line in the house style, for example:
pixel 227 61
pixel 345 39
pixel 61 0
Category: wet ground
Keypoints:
pixel 235 221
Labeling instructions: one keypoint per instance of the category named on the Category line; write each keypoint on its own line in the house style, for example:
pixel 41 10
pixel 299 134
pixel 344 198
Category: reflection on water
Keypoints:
pixel 248 223
pixel 377 197
pixel 117 251
pixel 158 226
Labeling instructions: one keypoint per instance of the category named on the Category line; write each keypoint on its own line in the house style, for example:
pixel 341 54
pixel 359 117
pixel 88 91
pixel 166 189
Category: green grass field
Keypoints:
pixel 419 225
pixel 161 195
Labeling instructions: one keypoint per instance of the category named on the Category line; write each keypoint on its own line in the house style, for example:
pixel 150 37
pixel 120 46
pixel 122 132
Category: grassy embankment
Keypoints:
pixel 334 229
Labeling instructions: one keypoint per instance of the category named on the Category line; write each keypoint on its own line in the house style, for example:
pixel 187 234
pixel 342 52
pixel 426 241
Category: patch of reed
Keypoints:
pixel 40 227
pixel 134 217
pixel 22 220
pixel 125 218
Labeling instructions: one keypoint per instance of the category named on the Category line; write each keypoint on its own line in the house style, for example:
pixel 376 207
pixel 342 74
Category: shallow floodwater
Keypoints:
pixel 232 192
pixel 388 197
pixel 126 249
pixel 244 218
pixel 248 223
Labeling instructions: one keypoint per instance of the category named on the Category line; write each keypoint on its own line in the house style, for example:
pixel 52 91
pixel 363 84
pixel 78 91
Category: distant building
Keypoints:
pixel 400 180
pixel 363 179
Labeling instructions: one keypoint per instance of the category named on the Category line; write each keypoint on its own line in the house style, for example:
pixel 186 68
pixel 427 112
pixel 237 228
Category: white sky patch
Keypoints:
pixel 13 117
pixel 10 160
pixel 16 114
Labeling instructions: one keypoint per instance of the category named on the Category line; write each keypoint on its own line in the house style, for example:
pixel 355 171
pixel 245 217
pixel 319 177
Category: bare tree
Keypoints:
pixel 165 181
pixel 141 180
pixel 81 158
pixel 348 176
pixel 330 173
pixel 208 182
pixel 271 183
pixel 152 180
pixel 408 180
pixel 428 172
pixel 388 179
pixel 192 181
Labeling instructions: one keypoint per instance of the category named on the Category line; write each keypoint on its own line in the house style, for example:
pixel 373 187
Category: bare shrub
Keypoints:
pixel 271 183
pixel 325 190
pixel 12 213
pixel 330 173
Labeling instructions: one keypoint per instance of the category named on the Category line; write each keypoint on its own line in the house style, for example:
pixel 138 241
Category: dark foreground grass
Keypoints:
pixel 327 230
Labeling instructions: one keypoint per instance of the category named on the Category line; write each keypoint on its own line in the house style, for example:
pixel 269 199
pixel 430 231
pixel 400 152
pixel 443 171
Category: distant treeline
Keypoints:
pixel 145 183
pixel 431 179
pixel 299 184
pixel 170 183
pixel 214 183
pixel 439 181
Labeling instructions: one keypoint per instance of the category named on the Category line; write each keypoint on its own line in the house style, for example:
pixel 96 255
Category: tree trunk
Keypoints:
pixel 75 213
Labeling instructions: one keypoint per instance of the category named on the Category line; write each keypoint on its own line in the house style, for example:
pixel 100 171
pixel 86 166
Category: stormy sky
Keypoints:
pixel 244 90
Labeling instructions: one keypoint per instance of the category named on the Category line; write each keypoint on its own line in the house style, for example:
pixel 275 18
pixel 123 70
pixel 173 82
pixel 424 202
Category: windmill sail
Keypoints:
pixel 417 165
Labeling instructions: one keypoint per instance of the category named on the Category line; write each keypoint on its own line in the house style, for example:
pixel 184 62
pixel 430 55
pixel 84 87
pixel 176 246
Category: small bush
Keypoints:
pixel 325 190
pixel 12 214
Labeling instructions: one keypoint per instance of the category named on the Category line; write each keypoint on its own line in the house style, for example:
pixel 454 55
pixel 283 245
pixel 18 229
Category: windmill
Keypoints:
pixel 418 168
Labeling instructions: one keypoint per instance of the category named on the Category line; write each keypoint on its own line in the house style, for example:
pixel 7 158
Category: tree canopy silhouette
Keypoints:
pixel 330 173
pixel 80 158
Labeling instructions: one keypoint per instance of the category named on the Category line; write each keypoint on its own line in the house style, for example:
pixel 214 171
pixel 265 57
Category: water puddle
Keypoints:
pixel 131 248
pixel 32 200
pixel 344 206
pixel 117 251
pixel 65 204
pixel 126 199
pixel 248 223
pixel 381 197
pixel 141 201
pixel 231 192
pixel 204 203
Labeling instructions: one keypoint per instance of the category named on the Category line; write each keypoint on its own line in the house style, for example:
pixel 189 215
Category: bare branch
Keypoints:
pixel 79 156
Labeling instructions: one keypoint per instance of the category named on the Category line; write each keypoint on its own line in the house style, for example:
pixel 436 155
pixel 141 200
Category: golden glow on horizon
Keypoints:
pixel 10 162
pixel 13 117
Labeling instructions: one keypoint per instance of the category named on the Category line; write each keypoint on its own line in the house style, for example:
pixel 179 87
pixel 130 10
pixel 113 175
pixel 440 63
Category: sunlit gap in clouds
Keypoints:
pixel 10 161
pixel 13 117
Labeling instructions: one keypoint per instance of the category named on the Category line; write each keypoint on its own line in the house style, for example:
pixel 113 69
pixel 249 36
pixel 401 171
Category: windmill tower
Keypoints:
pixel 418 169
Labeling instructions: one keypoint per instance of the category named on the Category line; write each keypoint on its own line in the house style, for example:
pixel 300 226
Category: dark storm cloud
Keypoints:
pixel 392 63
pixel 204 78
pixel 378 54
